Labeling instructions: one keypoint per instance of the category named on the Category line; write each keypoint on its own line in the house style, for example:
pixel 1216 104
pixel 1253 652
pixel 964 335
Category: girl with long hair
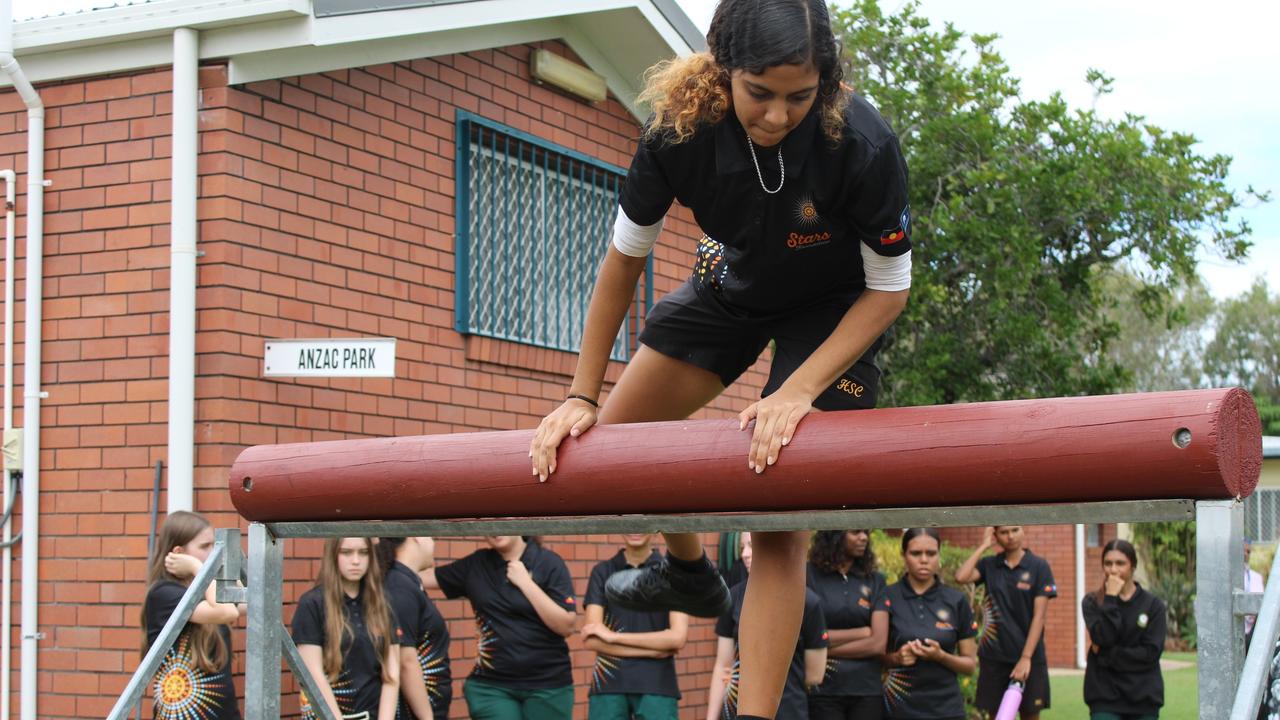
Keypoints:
pixel 1122 680
pixel 524 604
pixel 194 680
pixel 347 635
pixel 426 683
pixel 931 631
pixel 842 571
pixel 801 189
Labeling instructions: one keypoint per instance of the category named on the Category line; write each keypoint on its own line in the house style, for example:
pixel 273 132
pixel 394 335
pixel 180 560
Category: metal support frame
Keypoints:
pixel 1219 630
pixel 1266 630
pixel 262 655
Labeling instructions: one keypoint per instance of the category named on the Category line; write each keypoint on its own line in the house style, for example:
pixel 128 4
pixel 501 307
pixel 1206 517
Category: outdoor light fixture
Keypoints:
pixel 547 67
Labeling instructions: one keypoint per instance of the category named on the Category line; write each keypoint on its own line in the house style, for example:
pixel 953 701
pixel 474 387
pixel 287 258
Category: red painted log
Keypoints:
pixel 1117 447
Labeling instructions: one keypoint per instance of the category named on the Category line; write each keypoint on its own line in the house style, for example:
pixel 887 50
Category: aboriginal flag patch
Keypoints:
pixel 894 234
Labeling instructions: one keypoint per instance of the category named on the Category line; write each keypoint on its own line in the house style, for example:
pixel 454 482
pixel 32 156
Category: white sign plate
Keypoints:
pixel 341 357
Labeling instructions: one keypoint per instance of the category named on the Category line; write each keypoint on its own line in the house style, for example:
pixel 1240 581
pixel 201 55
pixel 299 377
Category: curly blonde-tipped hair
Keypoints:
pixel 688 93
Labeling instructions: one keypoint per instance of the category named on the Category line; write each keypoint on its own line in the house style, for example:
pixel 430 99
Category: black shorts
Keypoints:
pixel 993 680
pixel 700 329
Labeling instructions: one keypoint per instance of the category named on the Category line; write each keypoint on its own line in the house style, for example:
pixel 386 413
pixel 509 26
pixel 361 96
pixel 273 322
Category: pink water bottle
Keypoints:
pixel 1009 705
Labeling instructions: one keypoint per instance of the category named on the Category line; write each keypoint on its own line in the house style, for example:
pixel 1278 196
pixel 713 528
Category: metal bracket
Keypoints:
pixel 1246 603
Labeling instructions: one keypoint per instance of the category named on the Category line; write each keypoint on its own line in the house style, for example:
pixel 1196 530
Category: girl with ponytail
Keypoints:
pixel 801 190
pixel 195 678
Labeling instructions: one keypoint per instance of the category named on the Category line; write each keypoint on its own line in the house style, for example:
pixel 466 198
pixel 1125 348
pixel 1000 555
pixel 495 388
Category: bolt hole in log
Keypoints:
pixel 1181 438
pixel 247 484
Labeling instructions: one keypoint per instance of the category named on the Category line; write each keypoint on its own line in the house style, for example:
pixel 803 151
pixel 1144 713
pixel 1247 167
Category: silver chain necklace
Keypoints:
pixel 782 171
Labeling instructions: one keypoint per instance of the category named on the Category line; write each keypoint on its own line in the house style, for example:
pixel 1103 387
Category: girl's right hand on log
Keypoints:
pixel 571 419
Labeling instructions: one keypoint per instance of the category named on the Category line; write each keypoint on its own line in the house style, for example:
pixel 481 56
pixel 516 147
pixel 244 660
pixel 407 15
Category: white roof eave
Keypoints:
pixel 110 26
pixel 266 39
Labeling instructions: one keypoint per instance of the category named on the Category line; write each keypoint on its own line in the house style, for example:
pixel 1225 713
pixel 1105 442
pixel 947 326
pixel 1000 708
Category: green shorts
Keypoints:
pixel 624 706
pixel 494 702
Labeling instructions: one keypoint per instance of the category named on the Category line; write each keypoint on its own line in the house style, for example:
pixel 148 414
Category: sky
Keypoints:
pixel 1190 66
pixel 1195 67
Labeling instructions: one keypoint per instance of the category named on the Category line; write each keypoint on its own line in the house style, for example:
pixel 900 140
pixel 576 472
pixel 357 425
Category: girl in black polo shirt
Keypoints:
pixel 1122 680
pixel 194 680
pixel 931 630
pixel 801 189
pixel 426 685
pixel 523 600
pixel 347 635
pixel 842 571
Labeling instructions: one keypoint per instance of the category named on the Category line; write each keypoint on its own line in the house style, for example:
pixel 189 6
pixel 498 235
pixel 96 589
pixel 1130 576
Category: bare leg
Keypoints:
pixel 771 615
pixel 655 387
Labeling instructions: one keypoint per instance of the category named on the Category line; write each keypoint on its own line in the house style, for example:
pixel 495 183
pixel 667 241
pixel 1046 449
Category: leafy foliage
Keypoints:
pixel 1017 205
pixel 1168 552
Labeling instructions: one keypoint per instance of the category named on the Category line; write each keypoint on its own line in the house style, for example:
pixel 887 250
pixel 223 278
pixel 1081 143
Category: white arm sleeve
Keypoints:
pixel 886 273
pixel 632 239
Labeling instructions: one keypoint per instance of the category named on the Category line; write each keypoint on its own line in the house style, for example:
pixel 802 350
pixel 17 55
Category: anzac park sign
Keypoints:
pixel 341 357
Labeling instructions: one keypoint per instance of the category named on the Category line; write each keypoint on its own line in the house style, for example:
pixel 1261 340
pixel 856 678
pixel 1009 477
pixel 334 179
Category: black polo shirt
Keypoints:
pixel 847 603
pixel 514 648
pixel 774 253
pixel 926 689
pixel 1010 605
pixel 181 688
pixel 359 686
pixel 640 676
pixel 813 635
pixel 426 630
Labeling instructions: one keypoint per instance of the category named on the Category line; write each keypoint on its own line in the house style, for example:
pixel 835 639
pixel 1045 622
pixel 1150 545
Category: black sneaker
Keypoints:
pixel 666 587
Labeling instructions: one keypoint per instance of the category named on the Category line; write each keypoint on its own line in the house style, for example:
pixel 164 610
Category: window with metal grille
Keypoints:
pixel 1262 515
pixel 533 222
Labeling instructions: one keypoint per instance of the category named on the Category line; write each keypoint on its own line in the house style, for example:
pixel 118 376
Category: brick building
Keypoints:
pixel 328 199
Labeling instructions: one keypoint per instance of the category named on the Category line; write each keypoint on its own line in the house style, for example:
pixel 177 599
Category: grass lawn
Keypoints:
pixel 1180 697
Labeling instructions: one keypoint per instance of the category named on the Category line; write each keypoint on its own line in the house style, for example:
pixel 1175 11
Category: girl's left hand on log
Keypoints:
pixel 776 419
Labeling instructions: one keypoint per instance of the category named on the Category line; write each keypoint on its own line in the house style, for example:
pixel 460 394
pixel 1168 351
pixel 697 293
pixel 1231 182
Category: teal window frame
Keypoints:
pixel 498 293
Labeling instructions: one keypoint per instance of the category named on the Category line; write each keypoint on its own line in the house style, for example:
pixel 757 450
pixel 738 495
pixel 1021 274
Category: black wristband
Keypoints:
pixel 584 399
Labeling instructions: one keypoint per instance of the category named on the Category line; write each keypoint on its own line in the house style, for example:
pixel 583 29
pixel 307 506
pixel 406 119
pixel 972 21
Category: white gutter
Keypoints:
pixel 182 269
pixel 1081 658
pixel 6 608
pixel 31 361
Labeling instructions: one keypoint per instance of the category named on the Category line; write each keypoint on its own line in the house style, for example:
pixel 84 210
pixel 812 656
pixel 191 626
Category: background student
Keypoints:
pixel 1122 680
pixel 426 685
pixel 635 670
pixel 842 572
pixel 194 680
pixel 523 600
pixel 347 636
pixel 931 631
pixel 1019 587
pixel 808 660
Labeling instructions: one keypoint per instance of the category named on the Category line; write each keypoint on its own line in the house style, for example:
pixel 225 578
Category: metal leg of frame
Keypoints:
pixel 262 656
pixel 1219 631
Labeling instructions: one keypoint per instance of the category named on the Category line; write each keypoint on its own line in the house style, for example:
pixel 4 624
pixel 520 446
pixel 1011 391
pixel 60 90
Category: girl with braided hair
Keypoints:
pixel 801 189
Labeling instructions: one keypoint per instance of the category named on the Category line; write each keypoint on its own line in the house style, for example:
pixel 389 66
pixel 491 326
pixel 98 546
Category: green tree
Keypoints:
pixel 1245 349
pixel 1168 552
pixel 1017 205
pixel 1160 336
